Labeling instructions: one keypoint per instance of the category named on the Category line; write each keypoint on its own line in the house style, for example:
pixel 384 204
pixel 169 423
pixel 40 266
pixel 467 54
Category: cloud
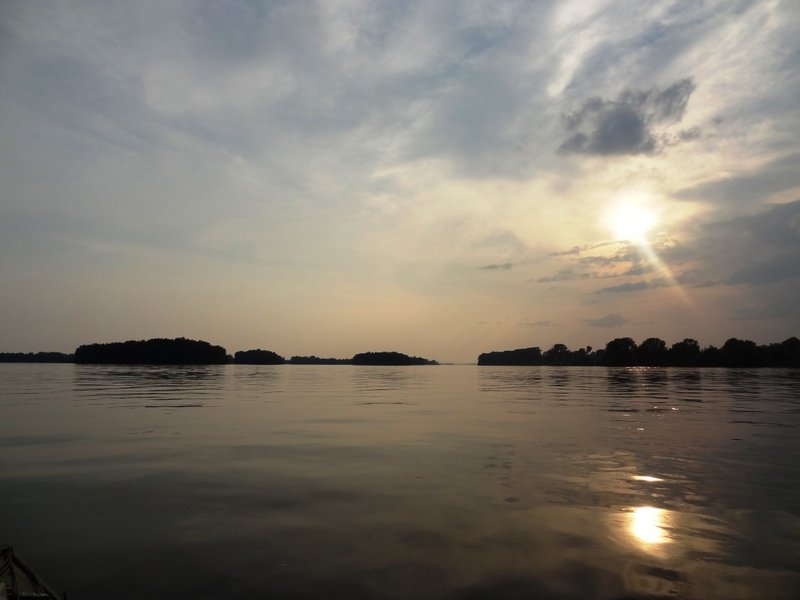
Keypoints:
pixel 567 274
pixel 540 323
pixel 602 266
pixel 760 248
pixel 505 240
pixel 610 320
pixel 777 268
pixel 777 226
pixel 576 250
pixel 638 269
pixel 625 125
pixel 628 253
pixel 783 306
pixel 506 266
pixel 636 286
pixel 776 176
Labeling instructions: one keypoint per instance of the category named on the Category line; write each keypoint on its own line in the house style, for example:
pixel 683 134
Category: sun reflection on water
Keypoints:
pixel 646 478
pixel 647 525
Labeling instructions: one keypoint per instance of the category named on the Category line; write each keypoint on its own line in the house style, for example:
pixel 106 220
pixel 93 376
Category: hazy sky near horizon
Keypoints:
pixel 439 178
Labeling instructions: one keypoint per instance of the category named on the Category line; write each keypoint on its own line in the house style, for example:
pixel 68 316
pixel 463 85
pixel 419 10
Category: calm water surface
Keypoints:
pixel 403 482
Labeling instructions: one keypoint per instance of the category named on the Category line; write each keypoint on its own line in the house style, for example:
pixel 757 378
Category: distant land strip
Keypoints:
pixel 183 351
pixel 652 352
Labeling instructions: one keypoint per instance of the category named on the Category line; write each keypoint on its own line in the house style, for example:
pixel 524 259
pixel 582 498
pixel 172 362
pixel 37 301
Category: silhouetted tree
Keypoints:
pixel 389 358
pixel 37 357
pixel 620 351
pixel 685 353
pixel 787 353
pixel 315 360
pixel 258 357
pixel 519 357
pixel 740 353
pixel 155 351
pixel 652 351
pixel 581 356
pixel 710 356
pixel 559 354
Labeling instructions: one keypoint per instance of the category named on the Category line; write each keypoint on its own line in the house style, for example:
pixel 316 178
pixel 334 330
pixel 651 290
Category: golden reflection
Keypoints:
pixel 647 525
pixel 647 478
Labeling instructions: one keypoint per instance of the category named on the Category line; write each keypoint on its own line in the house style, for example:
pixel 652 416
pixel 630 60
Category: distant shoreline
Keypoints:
pixel 183 351
pixel 620 352
pixel 653 352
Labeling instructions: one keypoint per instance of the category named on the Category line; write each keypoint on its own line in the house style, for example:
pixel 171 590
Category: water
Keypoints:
pixel 408 482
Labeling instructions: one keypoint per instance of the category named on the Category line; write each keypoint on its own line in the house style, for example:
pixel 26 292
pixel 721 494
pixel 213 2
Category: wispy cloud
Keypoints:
pixel 636 286
pixel 764 180
pixel 506 266
pixel 609 321
pixel 540 323
pixel 567 274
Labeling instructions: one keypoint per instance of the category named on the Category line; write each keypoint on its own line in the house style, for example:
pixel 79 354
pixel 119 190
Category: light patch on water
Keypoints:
pixel 647 525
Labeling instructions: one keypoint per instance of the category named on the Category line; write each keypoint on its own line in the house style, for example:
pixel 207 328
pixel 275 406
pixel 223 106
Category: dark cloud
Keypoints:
pixel 576 250
pixel 673 252
pixel 625 125
pixel 777 268
pixel 507 266
pixel 777 227
pixel 564 275
pixel 626 254
pixel 777 176
pixel 762 248
pixel 783 306
pixel 610 320
pixel 638 270
pixel 638 286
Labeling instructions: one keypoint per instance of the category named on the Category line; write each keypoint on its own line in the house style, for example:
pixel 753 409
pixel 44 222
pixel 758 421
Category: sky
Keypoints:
pixel 440 178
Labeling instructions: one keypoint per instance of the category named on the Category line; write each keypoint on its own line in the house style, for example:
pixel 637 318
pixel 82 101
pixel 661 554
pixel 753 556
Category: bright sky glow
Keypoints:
pixel 438 178
pixel 633 223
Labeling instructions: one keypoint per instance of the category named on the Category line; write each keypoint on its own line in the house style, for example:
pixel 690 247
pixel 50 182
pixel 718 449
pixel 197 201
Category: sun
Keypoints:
pixel 632 222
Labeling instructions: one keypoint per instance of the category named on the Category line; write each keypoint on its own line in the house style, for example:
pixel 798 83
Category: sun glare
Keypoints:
pixel 647 525
pixel 632 223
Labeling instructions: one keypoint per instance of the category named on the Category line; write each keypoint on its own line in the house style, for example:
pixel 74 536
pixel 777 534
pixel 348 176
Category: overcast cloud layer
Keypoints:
pixel 437 178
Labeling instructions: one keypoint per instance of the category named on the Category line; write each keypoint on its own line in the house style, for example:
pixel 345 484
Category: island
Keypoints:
pixel 619 352
pixel 258 357
pixel 390 359
pixel 178 351
pixel 316 360
pixel 654 352
pixel 156 351
pixel 36 357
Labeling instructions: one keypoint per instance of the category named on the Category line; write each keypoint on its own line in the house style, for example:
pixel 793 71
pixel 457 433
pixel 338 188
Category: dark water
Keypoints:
pixel 409 482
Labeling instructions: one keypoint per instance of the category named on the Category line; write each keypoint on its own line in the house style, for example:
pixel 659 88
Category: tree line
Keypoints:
pixel 178 351
pixel 654 352
pixel 267 357
pixel 36 357
pixel 618 352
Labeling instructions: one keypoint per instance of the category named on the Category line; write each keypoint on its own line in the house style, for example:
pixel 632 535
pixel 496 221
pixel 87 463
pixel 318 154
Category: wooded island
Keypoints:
pixel 653 352
pixel 619 352
pixel 183 351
